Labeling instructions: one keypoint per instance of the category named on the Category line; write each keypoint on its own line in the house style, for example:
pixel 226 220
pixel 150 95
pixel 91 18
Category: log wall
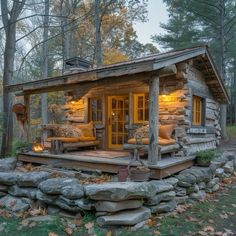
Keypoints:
pixel 174 108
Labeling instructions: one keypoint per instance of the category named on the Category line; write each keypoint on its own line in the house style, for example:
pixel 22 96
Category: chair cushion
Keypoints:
pixel 133 141
pixel 161 141
pixel 86 129
pixel 88 138
pixel 64 139
pixel 165 131
pixel 165 142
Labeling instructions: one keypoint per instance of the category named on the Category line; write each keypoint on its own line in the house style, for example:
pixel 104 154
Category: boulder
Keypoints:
pixel 199 196
pixel 56 185
pixel 4 188
pixel 161 197
pixel 215 188
pixel 7 164
pixel 230 156
pixel 117 206
pixel 8 178
pixel 181 200
pixel 15 204
pixel 193 189
pixel 220 161
pixel 180 192
pixel 186 179
pixel 164 207
pixel 213 182
pixel 125 217
pixel 63 204
pixel 219 172
pixel 84 204
pixel 202 174
pixel 118 191
pixel 46 198
pixel 52 210
pixel 173 181
pixel 202 185
pixel 229 167
pixel 73 191
pixel 32 179
pixel 23 192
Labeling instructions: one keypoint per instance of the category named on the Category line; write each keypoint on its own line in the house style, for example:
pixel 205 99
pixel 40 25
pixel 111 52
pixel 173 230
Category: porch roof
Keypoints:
pixel 200 55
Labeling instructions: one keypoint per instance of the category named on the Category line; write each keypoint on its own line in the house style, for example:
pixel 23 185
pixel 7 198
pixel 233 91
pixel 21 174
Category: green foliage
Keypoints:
pixel 205 157
pixel 18 145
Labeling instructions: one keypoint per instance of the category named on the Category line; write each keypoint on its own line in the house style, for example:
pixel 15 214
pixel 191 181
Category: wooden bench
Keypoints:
pixel 58 145
pixel 133 148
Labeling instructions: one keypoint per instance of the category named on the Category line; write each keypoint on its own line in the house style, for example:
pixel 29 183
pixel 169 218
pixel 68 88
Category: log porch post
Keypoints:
pixel 153 120
pixel 27 105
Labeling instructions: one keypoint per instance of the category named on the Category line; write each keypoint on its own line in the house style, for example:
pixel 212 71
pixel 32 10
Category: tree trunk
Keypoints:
pixel 9 19
pixel 97 23
pixel 44 103
pixel 223 107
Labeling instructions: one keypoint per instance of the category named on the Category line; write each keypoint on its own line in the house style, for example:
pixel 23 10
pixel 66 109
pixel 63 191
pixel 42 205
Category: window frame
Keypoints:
pixel 198 116
pixel 97 110
pixel 136 108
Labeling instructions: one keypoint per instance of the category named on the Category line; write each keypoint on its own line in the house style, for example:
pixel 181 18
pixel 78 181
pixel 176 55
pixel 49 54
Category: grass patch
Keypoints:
pixel 231 130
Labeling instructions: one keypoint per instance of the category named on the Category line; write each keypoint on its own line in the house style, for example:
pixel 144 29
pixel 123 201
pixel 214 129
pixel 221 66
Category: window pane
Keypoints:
pixel 140 101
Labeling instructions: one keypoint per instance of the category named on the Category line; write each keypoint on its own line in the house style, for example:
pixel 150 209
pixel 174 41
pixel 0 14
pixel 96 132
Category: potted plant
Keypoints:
pixel 204 158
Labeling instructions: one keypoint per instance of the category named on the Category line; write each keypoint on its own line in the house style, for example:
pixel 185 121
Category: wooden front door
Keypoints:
pixel 118 118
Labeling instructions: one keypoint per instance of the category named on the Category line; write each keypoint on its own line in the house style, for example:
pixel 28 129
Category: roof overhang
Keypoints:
pixel 151 63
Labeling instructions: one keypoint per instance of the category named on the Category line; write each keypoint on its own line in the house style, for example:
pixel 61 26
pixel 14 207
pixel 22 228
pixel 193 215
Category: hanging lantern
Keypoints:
pixel 37 145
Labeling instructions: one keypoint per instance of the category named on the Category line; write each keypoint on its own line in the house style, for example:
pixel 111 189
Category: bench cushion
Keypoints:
pixel 86 129
pixel 72 140
pixel 161 141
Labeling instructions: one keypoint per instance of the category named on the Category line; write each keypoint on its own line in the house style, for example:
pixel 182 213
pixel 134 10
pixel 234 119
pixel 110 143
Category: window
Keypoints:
pixel 197 111
pixel 140 108
pixel 96 110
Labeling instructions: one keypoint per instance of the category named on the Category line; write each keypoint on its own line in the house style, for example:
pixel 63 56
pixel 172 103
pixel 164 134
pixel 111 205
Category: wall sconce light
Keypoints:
pixel 164 91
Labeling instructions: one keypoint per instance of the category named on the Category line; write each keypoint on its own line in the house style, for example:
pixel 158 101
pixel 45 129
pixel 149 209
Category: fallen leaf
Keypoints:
pixel 208 229
pixel 224 216
pixel 52 234
pixel 25 223
pixel 202 233
pixel 157 232
pixel 233 205
pixel 68 230
pixel 89 225
pixel 32 224
pixel 190 218
pixel 109 233
pixel 5 214
pixel 211 221
pixel 35 212
pixel 78 222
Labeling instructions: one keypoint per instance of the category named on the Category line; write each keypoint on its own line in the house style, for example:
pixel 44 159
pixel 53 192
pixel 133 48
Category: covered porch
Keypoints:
pixel 106 161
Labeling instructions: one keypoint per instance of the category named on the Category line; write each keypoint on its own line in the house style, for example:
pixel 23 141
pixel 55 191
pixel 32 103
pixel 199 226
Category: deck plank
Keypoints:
pixel 165 167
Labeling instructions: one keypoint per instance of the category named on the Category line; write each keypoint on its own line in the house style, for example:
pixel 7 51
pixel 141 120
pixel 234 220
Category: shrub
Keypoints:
pixel 205 157
pixel 18 145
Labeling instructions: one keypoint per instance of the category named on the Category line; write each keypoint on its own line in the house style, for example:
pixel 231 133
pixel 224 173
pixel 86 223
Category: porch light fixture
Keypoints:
pixel 37 145
pixel 164 91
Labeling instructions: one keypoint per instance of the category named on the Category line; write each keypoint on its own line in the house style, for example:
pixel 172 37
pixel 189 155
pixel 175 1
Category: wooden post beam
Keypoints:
pixel 153 120
pixel 27 105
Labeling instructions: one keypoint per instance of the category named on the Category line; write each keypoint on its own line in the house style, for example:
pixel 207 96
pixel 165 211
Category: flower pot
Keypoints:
pixel 139 174
pixel 202 163
pixel 122 174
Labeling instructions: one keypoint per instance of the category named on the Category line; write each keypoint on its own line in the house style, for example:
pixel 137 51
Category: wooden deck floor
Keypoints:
pixel 166 167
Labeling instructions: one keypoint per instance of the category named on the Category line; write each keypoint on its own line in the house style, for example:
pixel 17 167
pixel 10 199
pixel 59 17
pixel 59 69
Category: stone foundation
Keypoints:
pixel 114 203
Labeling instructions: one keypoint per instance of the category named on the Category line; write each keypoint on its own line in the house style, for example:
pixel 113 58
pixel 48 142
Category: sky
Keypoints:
pixel 157 13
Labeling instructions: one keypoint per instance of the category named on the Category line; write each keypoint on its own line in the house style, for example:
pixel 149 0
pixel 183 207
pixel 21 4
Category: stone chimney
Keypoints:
pixel 76 64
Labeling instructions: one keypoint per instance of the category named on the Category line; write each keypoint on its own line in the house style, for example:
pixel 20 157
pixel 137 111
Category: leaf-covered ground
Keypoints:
pixel 215 216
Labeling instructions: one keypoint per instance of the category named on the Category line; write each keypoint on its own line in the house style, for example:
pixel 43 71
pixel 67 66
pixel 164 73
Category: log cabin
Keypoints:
pixel 181 88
